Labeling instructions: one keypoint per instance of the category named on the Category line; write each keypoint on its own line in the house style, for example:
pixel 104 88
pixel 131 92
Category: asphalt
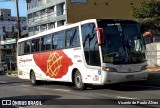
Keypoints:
pixel 153 77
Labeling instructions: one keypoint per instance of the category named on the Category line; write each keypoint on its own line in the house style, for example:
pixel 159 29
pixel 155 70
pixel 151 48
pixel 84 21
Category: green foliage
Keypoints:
pixel 148 14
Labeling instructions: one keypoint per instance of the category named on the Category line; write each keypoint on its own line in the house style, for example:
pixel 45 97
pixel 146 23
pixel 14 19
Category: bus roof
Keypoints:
pixel 53 30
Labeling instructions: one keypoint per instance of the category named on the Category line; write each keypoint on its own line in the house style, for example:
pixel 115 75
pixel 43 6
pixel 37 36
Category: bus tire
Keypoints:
pixel 33 79
pixel 79 85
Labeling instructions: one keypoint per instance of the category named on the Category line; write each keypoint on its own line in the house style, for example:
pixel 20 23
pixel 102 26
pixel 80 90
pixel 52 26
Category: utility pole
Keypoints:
pixel 18 21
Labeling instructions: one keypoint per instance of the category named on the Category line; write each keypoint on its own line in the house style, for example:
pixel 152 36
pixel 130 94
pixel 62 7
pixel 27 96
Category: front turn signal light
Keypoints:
pixel 144 67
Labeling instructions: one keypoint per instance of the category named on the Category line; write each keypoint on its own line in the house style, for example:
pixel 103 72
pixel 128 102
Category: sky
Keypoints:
pixel 6 4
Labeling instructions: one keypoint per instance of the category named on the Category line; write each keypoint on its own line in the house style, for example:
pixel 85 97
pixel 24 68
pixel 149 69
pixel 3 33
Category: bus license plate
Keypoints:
pixel 129 76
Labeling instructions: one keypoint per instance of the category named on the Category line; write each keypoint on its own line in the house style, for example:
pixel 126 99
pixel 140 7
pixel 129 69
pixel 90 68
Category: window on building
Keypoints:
pixel 43 27
pixel 24 28
pixel 50 10
pixel 36 29
pixel 4 29
pixel 43 12
pixel 30 29
pixel 60 23
pixel 51 25
pixel 39 2
pixel 29 16
pixel 60 9
pixel 12 28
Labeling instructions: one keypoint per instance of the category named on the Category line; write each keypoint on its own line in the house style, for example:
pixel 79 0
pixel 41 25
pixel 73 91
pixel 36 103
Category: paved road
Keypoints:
pixel 14 88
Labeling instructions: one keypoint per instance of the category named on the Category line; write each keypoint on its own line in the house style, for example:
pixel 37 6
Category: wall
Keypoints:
pixel 120 9
pixel 153 54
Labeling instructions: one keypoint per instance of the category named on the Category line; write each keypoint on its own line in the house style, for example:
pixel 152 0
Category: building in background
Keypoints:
pixel 8 34
pixel 47 14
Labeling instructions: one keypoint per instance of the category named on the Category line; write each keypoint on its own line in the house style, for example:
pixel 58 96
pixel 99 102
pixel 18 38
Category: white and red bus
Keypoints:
pixel 95 51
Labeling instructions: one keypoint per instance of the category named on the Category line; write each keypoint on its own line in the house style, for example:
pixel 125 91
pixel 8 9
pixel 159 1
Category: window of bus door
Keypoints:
pixel 90 44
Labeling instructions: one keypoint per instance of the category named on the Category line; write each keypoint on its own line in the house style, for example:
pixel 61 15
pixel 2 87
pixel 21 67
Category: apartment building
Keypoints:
pixel 8 32
pixel 47 14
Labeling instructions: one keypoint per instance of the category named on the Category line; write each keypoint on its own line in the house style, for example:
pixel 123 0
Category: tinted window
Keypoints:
pixel 91 49
pixel 33 45
pixel 27 47
pixel 37 45
pixel 21 48
pixel 58 40
pixel 46 43
pixel 72 38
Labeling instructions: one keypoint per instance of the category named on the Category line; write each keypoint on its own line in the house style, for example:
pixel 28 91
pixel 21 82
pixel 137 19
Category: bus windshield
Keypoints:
pixel 123 42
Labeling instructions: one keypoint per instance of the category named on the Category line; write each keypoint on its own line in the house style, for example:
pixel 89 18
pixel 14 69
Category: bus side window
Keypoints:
pixel 43 44
pixel 54 40
pixel 33 46
pixel 27 47
pixel 58 40
pixel 48 41
pixel 21 48
pixel 72 39
pixel 37 44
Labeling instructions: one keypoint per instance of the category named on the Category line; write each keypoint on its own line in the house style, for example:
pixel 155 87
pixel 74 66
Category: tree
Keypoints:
pixel 148 15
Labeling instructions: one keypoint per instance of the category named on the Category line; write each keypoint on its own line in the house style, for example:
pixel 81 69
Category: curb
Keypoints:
pixel 153 69
pixel 12 73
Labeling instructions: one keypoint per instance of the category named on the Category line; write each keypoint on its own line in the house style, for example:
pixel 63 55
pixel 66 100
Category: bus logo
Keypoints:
pixel 54 64
pixel 54 60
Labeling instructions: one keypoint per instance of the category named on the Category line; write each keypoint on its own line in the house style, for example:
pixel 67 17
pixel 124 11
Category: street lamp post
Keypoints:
pixel 18 21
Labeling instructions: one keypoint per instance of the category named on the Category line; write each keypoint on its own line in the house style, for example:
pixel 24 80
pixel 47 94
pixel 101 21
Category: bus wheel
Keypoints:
pixel 33 78
pixel 79 85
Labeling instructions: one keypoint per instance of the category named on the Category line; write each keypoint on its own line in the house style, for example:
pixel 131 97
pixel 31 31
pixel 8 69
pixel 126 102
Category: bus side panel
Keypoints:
pixel 25 63
pixel 89 74
pixel 57 66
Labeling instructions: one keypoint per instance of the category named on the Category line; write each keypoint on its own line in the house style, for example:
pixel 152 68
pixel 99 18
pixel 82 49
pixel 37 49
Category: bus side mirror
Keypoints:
pixel 100 36
pixel 149 34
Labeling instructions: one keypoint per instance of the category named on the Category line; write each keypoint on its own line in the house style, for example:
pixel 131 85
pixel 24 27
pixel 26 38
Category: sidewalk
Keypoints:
pixel 12 73
pixel 153 69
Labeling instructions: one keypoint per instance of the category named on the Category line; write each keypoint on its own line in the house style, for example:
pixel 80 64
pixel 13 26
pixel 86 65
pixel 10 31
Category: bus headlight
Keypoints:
pixel 109 69
pixel 144 67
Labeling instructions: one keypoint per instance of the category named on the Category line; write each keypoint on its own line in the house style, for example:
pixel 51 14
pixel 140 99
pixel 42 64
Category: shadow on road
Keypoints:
pixel 2 73
pixel 13 82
